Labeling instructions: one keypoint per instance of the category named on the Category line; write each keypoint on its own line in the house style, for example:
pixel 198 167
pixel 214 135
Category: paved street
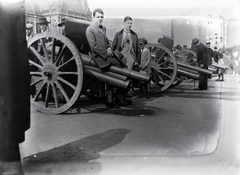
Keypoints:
pixel 181 131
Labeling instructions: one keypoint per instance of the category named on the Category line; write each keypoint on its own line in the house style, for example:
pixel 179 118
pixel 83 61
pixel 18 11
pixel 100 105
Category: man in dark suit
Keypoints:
pixel 215 55
pixel 202 60
pixel 29 30
pixel 43 23
pixel 126 41
pixel 102 53
pixel 210 53
pixel 62 25
pixel 101 49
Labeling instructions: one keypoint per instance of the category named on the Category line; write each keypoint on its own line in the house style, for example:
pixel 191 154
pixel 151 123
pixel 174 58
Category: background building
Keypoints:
pixel 55 10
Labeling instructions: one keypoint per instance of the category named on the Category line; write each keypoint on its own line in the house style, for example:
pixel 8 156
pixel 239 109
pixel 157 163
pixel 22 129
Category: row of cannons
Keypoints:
pixel 62 70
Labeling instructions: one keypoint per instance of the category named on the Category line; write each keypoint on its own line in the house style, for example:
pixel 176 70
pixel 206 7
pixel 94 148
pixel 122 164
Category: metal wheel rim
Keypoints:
pixel 190 55
pixel 163 69
pixel 52 74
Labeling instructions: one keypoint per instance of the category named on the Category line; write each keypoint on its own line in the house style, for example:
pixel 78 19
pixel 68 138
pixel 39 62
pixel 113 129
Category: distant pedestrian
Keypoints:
pixel 202 61
pixel 145 60
pixel 160 40
pixel 185 47
pixel 220 70
pixel 62 25
pixel 210 53
pixel 215 55
pixel 43 23
pixel 29 31
pixel 178 47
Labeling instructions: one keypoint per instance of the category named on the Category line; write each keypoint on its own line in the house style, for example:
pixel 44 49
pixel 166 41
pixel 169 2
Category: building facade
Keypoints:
pixel 54 11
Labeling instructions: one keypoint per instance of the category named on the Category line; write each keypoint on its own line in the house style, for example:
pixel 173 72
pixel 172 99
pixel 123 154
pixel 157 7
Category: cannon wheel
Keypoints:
pixel 56 72
pixel 185 56
pixel 180 57
pixel 190 56
pixel 162 67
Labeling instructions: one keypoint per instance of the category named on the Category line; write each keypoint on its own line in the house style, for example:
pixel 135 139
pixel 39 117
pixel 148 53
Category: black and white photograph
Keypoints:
pixel 130 87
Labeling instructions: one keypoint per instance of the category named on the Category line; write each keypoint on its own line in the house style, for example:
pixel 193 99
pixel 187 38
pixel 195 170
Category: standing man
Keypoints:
pixel 29 35
pixel 210 53
pixel 185 47
pixel 159 40
pixel 215 55
pixel 202 61
pixel 62 25
pixel 102 53
pixel 29 30
pixel 144 65
pixel 126 41
pixel 43 24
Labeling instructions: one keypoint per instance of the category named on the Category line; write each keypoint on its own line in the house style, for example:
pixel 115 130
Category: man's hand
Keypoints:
pixel 135 63
pixel 109 52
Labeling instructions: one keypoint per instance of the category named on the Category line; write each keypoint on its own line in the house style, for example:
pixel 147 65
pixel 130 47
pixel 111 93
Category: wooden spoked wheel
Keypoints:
pixel 56 72
pixel 180 57
pixel 191 57
pixel 162 67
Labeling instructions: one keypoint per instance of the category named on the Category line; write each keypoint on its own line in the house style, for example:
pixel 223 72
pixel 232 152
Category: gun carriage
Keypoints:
pixel 61 70
pixel 164 74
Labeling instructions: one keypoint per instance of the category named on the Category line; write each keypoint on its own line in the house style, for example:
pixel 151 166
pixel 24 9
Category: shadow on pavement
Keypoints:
pixel 74 156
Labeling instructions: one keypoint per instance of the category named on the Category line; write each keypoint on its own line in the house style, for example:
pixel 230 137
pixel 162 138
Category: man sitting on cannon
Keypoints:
pixel 102 53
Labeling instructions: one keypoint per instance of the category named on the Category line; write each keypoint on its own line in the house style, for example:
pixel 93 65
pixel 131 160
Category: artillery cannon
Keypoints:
pixel 168 69
pixel 61 70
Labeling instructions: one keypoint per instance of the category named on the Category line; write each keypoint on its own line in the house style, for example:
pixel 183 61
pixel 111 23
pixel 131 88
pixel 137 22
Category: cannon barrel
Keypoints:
pixel 109 80
pixel 111 74
pixel 198 69
pixel 187 72
pixel 217 66
pixel 121 71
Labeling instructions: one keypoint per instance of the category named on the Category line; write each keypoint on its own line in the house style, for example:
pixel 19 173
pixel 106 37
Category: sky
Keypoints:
pixel 165 8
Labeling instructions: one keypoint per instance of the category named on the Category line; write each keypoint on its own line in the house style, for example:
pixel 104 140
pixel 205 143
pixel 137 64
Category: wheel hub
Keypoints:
pixel 154 67
pixel 50 73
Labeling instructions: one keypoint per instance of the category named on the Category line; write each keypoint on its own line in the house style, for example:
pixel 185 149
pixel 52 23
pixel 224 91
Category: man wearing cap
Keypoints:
pixel 29 30
pixel 185 47
pixel 43 24
pixel 159 51
pixel 210 53
pixel 202 60
pixel 144 65
pixel 159 40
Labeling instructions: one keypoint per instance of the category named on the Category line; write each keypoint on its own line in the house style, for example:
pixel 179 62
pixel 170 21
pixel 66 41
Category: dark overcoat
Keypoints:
pixel 99 44
pixel 202 54
pixel 117 44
